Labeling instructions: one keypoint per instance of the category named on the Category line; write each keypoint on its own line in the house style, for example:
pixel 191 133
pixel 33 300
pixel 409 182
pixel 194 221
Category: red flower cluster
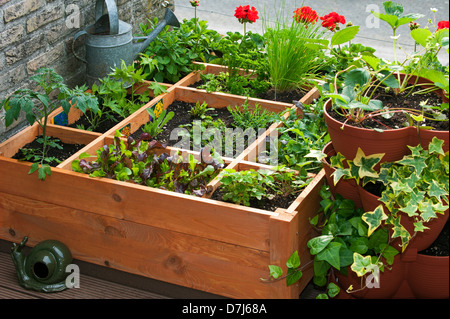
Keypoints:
pixel 246 14
pixel 442 25
pixel 331 21
pixel 306 15
pixel 195 3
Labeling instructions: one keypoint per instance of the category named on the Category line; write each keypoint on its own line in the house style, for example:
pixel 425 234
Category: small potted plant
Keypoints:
pixel 360 112
pixel 410 197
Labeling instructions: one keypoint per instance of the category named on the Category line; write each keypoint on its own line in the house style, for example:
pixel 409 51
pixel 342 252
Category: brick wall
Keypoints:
pixel 39 33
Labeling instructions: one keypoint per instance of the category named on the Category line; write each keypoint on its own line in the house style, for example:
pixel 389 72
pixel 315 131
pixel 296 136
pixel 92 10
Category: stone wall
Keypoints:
pixel 39 33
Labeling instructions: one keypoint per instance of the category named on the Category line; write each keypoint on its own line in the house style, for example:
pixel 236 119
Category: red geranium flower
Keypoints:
pixel 331 21
pixel 442 25
pixel 306 15
pixel 246 14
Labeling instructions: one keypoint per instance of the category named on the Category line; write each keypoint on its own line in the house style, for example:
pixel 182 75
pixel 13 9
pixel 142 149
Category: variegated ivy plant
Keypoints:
pixel 346 241
pixel 416 186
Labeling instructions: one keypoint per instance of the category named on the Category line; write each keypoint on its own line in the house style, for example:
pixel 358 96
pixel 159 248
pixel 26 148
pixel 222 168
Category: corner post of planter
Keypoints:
pixel 283 242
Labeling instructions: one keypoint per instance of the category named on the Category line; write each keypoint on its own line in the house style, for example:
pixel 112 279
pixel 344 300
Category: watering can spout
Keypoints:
pixel 169 19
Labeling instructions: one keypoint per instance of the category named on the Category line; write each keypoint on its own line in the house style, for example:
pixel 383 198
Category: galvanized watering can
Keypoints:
pixel 110 40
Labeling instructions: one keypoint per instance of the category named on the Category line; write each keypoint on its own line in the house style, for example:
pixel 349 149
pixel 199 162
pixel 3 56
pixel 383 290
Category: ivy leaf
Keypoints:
pixel 317 244
pixel 374 218
pixel 293 276
pixel 427 210
pixel 331 255
pixel 437 190
pixel 366 164
pixel 435 146
pixel 275 271
pixel 293 261
pixel 361 265
pixel 415 162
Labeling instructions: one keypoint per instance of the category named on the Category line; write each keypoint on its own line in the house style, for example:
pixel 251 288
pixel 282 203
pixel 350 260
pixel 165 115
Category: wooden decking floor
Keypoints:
pixel 90 287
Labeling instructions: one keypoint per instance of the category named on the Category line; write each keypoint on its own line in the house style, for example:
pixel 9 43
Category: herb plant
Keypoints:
pixel 157 122
pixel 245 117
pixel 37 106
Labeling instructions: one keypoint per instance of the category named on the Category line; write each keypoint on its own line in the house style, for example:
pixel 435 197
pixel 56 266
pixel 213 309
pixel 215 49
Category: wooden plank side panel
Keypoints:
pixel 186 260
pixel 188 214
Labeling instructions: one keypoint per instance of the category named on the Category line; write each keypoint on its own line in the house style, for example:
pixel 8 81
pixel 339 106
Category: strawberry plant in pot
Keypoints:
pixel 374 103
pixel 38 106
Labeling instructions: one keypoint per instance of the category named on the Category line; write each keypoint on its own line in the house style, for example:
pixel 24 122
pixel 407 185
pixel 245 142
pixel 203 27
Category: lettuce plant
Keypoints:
pixel 136 161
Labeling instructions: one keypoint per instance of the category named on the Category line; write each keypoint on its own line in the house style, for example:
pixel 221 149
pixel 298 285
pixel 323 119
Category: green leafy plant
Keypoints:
pixel 37 106
pixel 129 76
pixel 294 271
pixel 198 110
pixel 416 186
pixel 301 139
pixel 246 117
pixel 346 242
pixel 157 122
pixel 291 64
pixel 137 161
pixel 395 18
pixel 240 187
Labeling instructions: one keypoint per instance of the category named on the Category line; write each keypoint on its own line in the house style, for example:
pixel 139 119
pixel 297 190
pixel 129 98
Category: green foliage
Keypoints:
pixel 345 240
pixel 138 162
pixel 291 63
pixel 198 110
pixel 294 271
pixel 417 185
pixel 240 187
pixel 156 123
pixel 169 57
pixel 37 106
pixel 301 139
pixel 255 118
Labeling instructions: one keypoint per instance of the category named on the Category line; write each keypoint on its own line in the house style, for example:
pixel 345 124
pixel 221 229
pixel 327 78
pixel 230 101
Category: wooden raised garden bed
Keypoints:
pixel 200 243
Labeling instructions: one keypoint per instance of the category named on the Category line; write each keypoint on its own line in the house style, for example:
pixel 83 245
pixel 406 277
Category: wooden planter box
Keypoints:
pixel 199 243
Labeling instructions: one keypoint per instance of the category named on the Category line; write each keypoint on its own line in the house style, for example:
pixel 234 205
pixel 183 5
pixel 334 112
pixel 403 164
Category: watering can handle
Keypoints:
pixel 77 35
pixel 112 13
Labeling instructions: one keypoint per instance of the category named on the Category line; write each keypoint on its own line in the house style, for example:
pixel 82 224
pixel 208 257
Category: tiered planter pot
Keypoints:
pixel 394 142
pixel 200 243
pixel 413 275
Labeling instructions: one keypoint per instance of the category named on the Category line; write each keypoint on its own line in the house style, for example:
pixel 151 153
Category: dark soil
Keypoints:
pixel 286 97
pixel 278 201
pixel 67 151
pixel 440 247
pixel 399 118
pixel 182 117
pixel 105 125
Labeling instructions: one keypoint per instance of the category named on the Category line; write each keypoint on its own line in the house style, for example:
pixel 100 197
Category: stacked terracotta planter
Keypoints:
pixel 413 275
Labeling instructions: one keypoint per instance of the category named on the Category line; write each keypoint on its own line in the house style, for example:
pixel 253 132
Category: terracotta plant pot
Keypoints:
pixel 422 240
pixel 390 282
pixel 347 138
pixel 345 188
pixel 394 143
pixel 428 277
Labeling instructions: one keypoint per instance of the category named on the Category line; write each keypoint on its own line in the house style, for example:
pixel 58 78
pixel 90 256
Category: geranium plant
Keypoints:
pixel 246 14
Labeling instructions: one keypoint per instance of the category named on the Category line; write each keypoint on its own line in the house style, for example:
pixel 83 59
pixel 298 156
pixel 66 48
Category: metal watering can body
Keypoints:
pixel 110 40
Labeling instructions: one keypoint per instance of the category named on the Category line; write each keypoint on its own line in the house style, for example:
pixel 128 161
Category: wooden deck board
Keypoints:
pixel 90 287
